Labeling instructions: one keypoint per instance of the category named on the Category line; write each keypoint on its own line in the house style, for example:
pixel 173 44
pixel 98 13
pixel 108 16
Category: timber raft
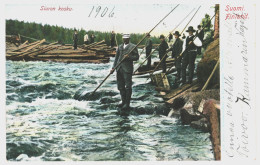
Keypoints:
pixel 41 50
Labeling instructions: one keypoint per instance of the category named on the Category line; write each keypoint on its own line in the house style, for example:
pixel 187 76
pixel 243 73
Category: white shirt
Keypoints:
pixel 86 37
pixel 196 42
pixel 125 45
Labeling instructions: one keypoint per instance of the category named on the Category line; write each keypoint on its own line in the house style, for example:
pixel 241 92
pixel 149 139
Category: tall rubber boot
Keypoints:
pixel 123 98
pixel 128 99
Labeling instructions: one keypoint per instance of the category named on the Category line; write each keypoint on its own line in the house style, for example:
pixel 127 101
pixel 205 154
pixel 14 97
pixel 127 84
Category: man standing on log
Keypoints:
pixel 75 39
pixel 113 39
pixel 200 34
pixel 148 50
pixel 125 70
pixel 92 38
pixel 162 51
pixel 176 51
pixel 86 39
pixel 190 47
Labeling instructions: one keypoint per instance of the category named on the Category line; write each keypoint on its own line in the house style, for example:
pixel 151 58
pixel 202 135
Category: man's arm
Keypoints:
pixel 116 58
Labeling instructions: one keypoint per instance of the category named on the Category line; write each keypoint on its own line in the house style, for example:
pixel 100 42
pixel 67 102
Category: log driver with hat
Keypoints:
pixel 191 43
pixel 125 70
pixel 176 51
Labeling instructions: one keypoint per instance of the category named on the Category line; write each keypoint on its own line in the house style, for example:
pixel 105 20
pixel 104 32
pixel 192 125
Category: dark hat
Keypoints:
pixel 162 36
pixel 148 34
pixel 190 29
pixel 177 33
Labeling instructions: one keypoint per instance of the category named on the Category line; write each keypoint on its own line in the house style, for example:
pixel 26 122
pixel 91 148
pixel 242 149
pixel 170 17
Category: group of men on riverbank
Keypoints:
pixel 183 51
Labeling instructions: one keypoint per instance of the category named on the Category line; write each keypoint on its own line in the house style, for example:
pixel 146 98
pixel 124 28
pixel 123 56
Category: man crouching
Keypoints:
pixel 125 70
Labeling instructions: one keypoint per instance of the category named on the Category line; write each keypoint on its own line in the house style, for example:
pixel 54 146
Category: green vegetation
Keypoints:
pixel 209 31
pixel 61 34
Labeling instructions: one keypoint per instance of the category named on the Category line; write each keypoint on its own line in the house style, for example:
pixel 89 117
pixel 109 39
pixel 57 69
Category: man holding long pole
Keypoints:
pixel 148 49
pixel 176 50
pixel 125 70
pixel 189 57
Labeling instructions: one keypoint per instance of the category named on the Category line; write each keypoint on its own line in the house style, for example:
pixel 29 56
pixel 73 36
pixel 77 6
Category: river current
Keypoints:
pixel 45 122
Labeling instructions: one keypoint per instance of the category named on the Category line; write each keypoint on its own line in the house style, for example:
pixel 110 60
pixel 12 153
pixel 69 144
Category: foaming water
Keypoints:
pixel 46 122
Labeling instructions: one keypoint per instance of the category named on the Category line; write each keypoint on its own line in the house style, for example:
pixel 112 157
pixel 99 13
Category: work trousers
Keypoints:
pixel 188 59
pixel 163 63
pixel 124 85
pixel 75 45
pixel 148 52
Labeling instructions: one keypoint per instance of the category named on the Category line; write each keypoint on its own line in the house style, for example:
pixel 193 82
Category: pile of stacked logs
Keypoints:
pixel 41 51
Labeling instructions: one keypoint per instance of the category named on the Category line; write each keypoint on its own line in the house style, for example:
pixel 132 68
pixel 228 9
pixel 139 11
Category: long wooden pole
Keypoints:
pixel 212 73
pixel 134 49
pixel 160 44
pixel 189 45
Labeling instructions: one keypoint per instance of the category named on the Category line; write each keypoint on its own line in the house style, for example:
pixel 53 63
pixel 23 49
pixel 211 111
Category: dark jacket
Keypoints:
pixel 127 64
pixel 190 47
pixel 148 44
pixel 200 35
pixel 176 48
pixel 113 37
pixel 75 37
pixel 162 48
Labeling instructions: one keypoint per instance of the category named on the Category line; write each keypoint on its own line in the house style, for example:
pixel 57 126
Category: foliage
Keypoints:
pixel 62 34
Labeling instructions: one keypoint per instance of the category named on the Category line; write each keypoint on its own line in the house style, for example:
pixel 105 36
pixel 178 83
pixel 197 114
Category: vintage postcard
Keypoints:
pixel 147 81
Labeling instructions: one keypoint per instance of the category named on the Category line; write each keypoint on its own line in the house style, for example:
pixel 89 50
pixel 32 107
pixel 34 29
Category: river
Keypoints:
pixel 44 121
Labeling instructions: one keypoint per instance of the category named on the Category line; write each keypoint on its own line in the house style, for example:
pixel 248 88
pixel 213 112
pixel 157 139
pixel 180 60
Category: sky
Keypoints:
pixel 122 18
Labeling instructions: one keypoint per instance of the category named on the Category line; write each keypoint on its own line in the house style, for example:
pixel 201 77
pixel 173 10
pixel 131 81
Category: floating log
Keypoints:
pixel 36 51
pixel 19 49
pixel 179 90
pixel 23 44
pixel 161 81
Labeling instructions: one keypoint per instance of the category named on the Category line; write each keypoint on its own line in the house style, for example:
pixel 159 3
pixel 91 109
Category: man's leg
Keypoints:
pixel 149 59
pixel 184 66
pixel 178 67
pixel 163 64
pixel 192 58
pixel 121 86
pixel 128 83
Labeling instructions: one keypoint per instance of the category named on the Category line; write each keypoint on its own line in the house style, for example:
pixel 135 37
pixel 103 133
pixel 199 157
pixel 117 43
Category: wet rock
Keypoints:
pixel 84 94
pixel 30 149
pixel 174 113
pixel 201 124
pixel 188 116
pixel 22 157
pixel 107 100
pixel 206 65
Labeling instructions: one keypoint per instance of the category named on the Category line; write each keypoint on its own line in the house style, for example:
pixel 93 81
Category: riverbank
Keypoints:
pixel 195 106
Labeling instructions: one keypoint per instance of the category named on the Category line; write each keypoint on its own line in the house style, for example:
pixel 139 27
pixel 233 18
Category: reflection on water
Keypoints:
pixel 46 122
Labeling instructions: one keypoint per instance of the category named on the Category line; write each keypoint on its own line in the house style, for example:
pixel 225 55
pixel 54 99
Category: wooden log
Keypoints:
pixel 97 61
pixel 27 46
pixel 26 52
pixel 71 56
pixel 31 54
pixel 23 44
pixel 183 93
pixel 33 46
pixel 93 44
pixel 179 90
pixel 64 52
